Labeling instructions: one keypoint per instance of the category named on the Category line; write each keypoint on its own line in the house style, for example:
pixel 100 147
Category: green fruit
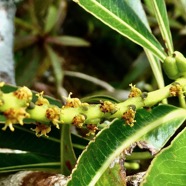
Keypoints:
pixel 181 63
pixel 170 67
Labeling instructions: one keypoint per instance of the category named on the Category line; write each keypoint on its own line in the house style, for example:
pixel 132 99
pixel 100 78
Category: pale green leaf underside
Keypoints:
pixel 113 140
pixel 169 167
pixel 154 62
pixel 120 16
pixel 161 15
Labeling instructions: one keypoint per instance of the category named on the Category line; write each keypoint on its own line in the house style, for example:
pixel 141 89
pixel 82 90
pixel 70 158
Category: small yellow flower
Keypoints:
pixel 79 120
pixel 14 116
pixel 108 107
pixel 72 102
pixel 42 129
pixel 53 114
pixel 175 89
pixel 134 92
pixel 41 101
pixel 129 116
pixel 23 93
pixel 92 129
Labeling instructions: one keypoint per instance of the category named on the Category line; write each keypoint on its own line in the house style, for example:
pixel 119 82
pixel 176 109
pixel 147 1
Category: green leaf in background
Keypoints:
pixel 56 64
pixel 51 18
pixel 24 41
pixel 121 17
pixel 161 14
pixel 111 141
pixel 68 41
pixel 139 67
pixel 27 65
pixel 39 11
pixel 169 166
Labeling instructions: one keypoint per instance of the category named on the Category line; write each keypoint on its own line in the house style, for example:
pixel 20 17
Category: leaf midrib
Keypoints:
pixel 134 138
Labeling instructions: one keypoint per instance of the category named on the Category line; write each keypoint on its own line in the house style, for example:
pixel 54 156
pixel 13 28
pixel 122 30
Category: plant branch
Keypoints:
pixel 19 106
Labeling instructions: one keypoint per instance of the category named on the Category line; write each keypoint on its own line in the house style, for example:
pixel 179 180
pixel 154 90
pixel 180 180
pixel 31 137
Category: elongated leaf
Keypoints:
pixel 157 138
pixel 68 41
pixel 43 152
pixel 113 140
pixel 27 65
pixel 33 152
pixel 24 41
pixel 163 21
pixel 120 16
pixel 51 18
pixel 56 64
pixel 68 158
pixel 21 161
pixel 169 166
pixel 138 7
pixel 24 139
pixel 154 62
pixel 114 175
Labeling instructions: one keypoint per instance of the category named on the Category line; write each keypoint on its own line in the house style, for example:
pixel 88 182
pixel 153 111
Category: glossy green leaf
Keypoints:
pixel 111 141
pixel 114 175
pixel 161 14
pixel 121 17
pixel 21 161
pixel 43 152
pixel 138 7
pixel 68 41
pixel 157 138
pixel 24 139
pixel 33 152
pixel 169 166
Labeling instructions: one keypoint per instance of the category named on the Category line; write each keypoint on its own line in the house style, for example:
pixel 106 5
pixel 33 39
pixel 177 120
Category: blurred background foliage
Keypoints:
pixel 57 43
pixel 60 48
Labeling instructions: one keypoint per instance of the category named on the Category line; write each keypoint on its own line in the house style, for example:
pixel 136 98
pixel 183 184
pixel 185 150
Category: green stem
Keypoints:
pixel 139 156
pixel 156 68
pixel 67 154
pixel 93 112
pixel 181 98
pixel 76 112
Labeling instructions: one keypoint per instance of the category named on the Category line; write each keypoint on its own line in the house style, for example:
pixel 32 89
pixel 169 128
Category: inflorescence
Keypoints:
pixel 17 106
